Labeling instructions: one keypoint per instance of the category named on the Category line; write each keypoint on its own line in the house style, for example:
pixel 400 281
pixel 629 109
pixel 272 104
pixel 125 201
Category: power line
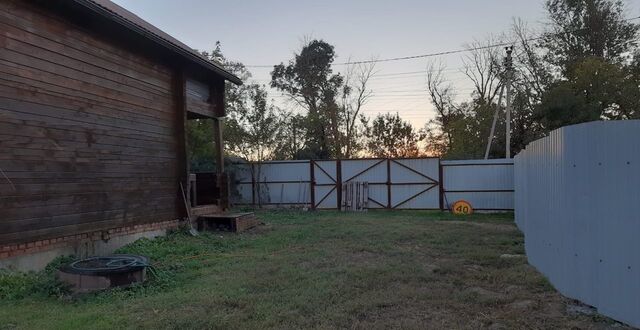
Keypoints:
pixel 403 58
pixel 442 53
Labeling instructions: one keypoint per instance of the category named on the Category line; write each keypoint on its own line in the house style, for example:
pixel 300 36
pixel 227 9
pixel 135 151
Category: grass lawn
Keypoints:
pixel 399 269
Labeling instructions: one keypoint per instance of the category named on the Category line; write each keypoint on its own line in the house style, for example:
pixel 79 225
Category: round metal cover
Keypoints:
pixel 101 266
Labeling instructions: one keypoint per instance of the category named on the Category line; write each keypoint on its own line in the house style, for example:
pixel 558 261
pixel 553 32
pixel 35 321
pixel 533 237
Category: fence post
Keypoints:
pixel 388 183
pixel 441 184
pixel 339 184
pixel 253 185
pixel 312 184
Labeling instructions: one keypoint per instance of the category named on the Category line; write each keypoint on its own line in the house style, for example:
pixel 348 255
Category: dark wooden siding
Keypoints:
pixel 88 132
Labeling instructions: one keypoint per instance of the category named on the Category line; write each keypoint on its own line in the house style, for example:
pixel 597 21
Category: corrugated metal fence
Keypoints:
pixel 577 199
pixel 486 184
pixel 407 183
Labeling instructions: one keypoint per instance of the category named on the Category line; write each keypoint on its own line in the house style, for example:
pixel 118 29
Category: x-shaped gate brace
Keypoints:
pixel 337 183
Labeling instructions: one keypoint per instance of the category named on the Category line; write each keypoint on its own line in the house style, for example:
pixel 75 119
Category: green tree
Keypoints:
pixel 582 29
pixel 292 135
pixel 259 127
pixel 597 90
pixel 309 80
pixel 200 131
pixel 590 44
pixel 390 136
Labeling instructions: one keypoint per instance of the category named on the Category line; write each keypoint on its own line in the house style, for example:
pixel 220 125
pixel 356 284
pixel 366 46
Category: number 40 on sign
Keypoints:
pixel 462 207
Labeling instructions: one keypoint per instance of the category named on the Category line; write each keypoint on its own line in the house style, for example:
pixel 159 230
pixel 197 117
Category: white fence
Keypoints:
pixel 577 199
pixel 407 183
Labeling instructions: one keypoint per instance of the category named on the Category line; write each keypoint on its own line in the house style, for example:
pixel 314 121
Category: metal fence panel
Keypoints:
pixel 486 184
pixel 483 201
pixel 326 178
pixel 325 172
pixel 292 171
pixel 242 194
pixel 365 170
pixel 393 183
pixel 577 192
pixel 378 196
pixel 415 183
pixel 276 183
pixel 422 170
pixel 284 193
pixel 415 197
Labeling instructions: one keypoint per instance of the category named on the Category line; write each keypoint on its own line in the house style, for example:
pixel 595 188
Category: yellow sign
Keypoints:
pixel 462 207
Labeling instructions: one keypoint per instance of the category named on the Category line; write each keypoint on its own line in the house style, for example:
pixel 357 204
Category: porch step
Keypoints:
pixel 204 210
pixel 234 222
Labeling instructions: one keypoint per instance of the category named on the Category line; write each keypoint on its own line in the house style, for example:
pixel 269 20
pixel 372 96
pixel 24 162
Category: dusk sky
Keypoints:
pixel 269 32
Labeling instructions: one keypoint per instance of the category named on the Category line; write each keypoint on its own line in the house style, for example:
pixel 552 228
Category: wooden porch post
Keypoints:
pixel 223 181
pixel 182 170
pixel 217 138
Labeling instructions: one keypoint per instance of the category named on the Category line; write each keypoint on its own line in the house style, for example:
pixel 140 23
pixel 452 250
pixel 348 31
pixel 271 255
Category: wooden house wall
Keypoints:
pixel 87 130
pixel 204 100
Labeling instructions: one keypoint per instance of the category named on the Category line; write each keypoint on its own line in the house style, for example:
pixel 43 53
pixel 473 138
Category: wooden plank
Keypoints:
pixel 24 79
pixel 39 116
pixel 148 77
pixel 91 198
pixel 26 189
pixel 49 182
pixel 47 25
pixel 65 115
pixel 217 97
pixel 37 143
pixel 57 135
pixel 19 64
pixel 80 64
pixel 26 55
pixel 47 82
pixel 33 217
pixel 14 156
pixel 205 210
pixel 228 222
pixel 130 167
pixel 16 90
pixel 202 108
pixel 86 227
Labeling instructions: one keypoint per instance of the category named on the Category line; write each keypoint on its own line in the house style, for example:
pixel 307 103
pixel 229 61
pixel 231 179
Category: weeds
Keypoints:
pixel 15 285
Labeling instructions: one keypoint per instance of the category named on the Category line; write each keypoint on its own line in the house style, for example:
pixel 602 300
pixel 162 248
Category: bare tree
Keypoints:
pixel 355 94
pixel 482 65
pixel 441 93
pixel 532 72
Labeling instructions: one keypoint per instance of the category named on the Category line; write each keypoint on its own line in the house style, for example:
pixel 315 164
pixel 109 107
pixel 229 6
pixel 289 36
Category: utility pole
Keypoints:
pixel 493 124
pixel 509 77
pixel 506 84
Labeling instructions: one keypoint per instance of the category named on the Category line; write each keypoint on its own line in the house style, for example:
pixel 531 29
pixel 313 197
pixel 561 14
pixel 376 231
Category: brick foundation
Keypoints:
pixel 24 249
